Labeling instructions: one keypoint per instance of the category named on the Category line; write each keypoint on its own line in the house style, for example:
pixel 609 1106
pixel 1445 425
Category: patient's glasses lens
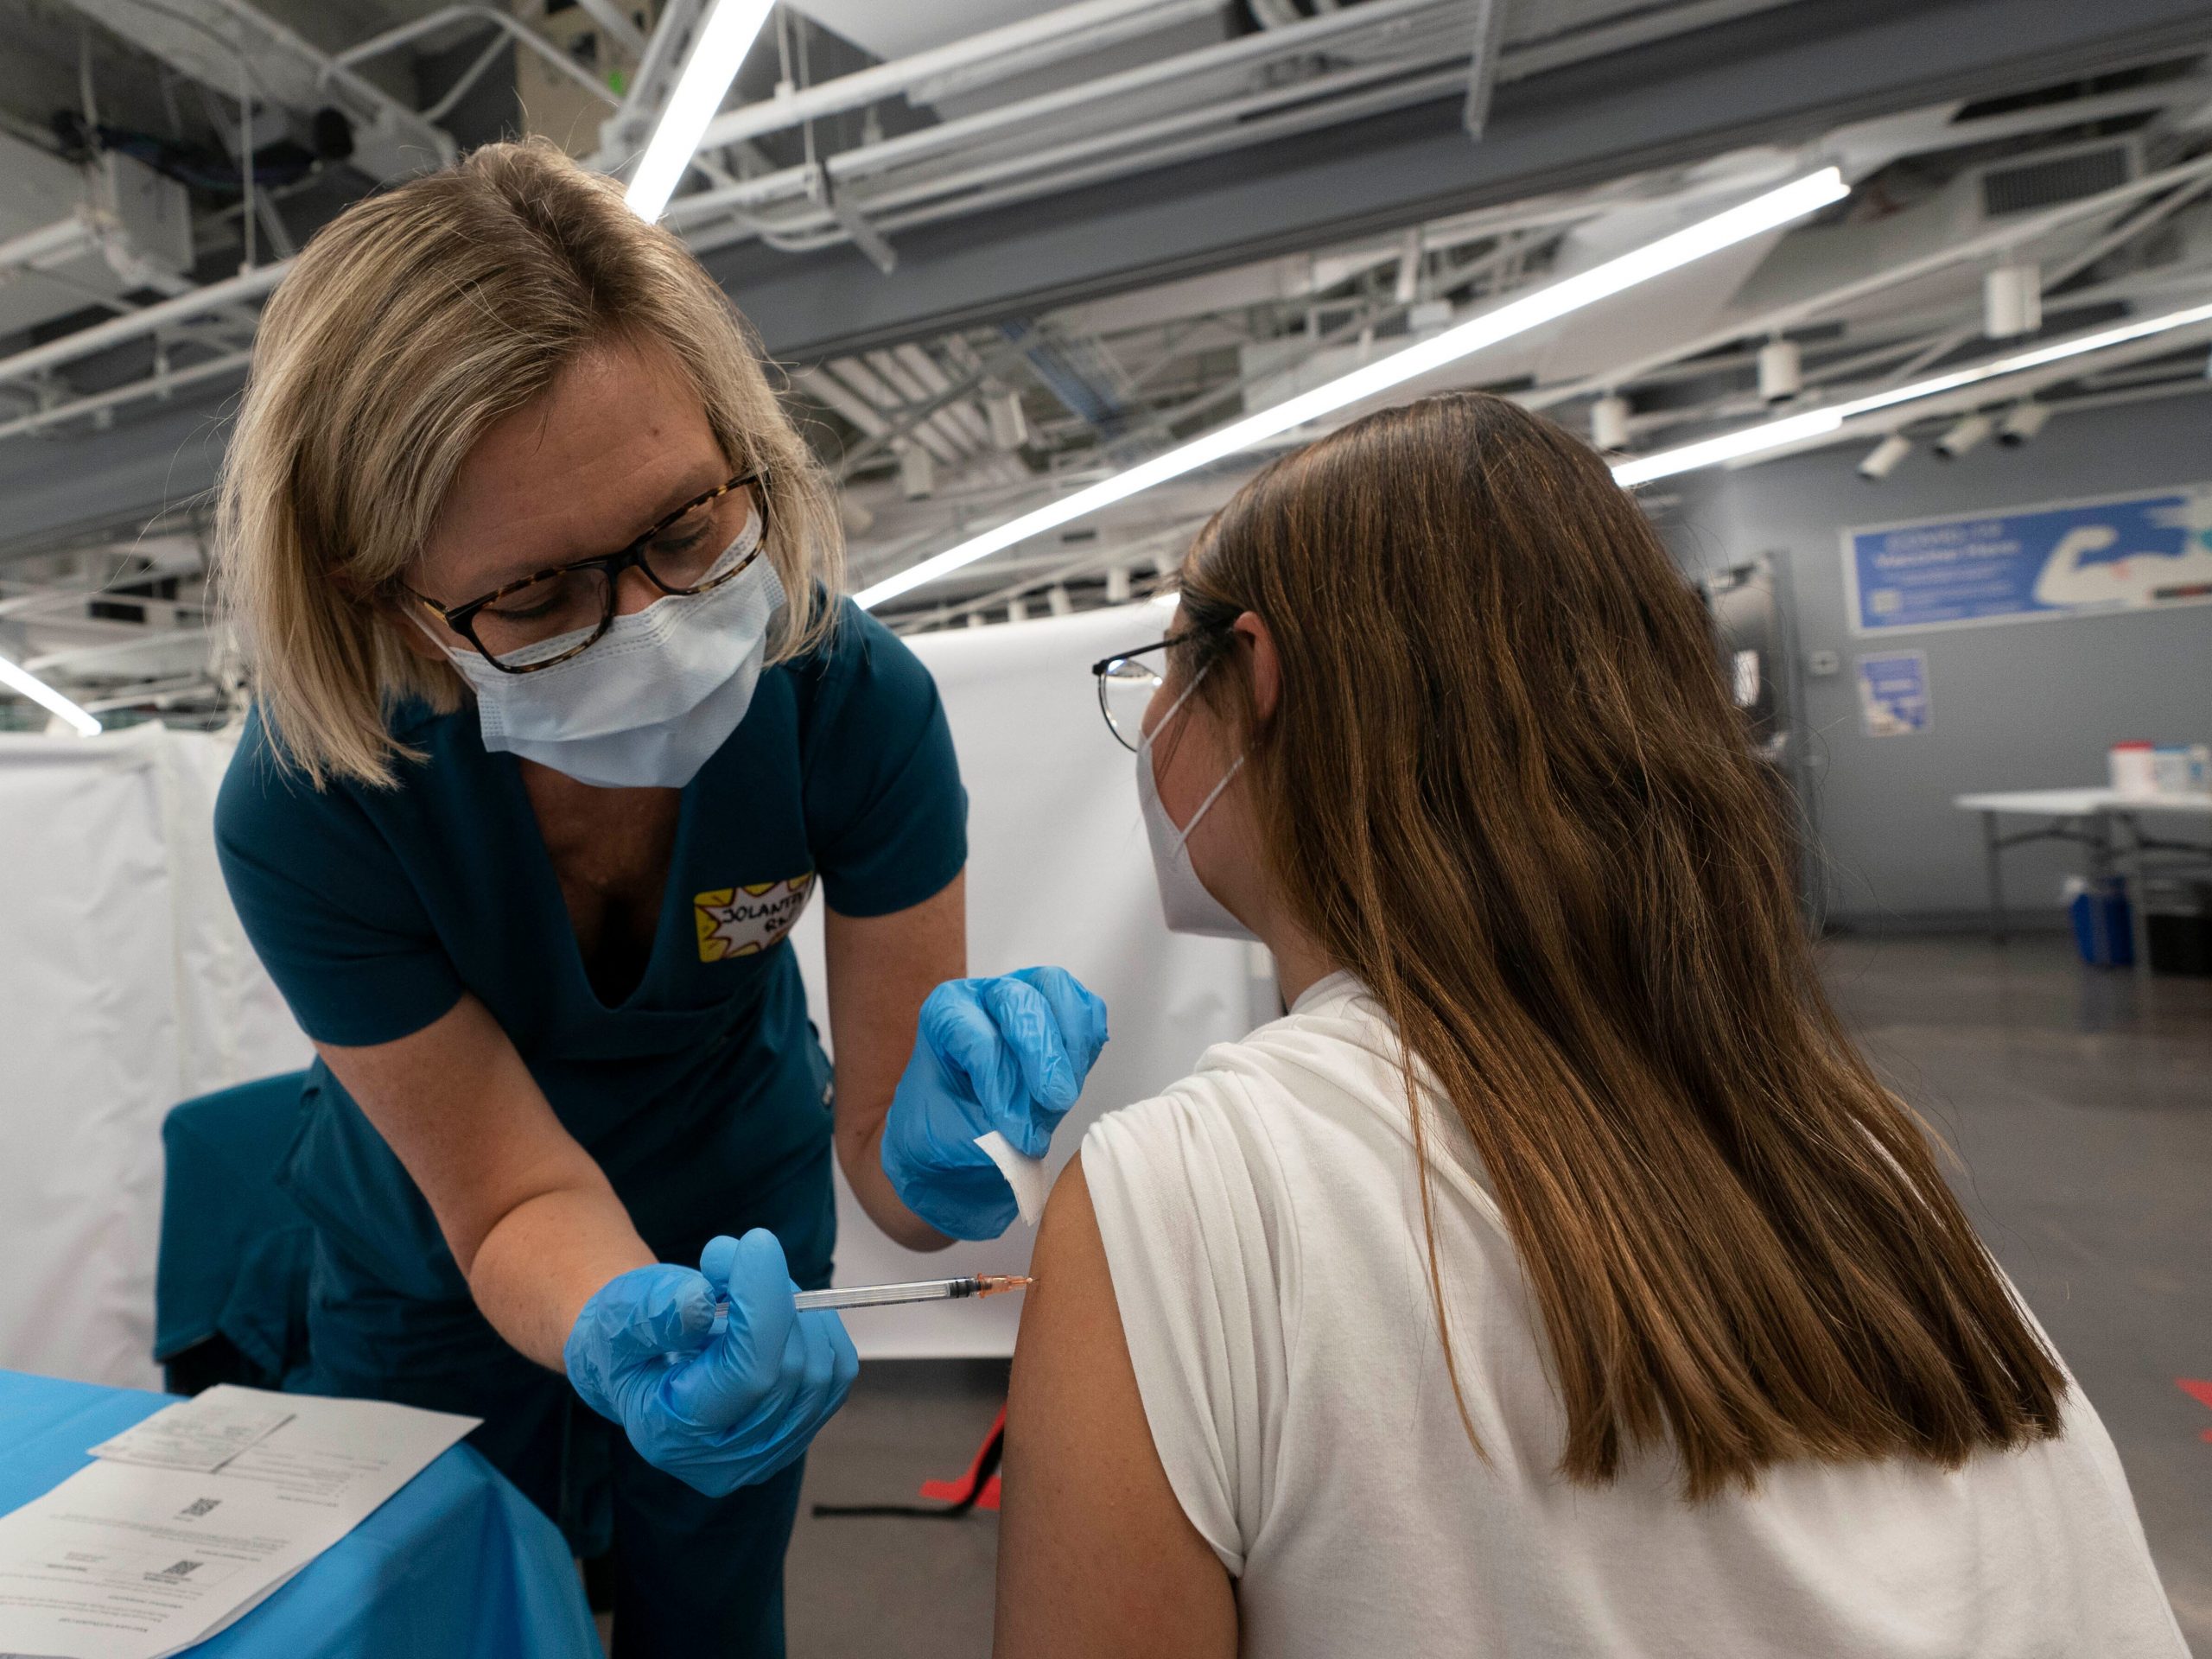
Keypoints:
pixel 1125 690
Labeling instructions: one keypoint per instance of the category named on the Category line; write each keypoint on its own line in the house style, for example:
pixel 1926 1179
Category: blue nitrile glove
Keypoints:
pixel 717 1409
pixel 1009 1055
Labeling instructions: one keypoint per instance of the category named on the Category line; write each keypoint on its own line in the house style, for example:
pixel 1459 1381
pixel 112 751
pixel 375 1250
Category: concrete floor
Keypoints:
pixel 2080 1104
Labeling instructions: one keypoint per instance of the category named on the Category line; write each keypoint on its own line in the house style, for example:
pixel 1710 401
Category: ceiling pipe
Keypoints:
pixel 136 325
pixel 995 54
pixel 2016 232
pixel 39 419
pixel 1382 15
pixel 522 34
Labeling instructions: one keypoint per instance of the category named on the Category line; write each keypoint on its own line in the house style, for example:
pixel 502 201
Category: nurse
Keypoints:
pixel 558 729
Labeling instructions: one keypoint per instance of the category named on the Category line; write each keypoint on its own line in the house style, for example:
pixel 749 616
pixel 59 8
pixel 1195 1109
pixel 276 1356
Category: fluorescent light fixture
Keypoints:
pixel 17 678
pixel 729 35
pixel 1756 439
pixel 1764 213
pixel 1729 446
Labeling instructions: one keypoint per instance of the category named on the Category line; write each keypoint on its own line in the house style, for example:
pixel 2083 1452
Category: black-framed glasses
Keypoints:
pixel 1126 685
pixel 554 615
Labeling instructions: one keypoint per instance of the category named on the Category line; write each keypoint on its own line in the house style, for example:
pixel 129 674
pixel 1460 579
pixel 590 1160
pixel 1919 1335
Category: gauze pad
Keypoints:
pixel 1025 1174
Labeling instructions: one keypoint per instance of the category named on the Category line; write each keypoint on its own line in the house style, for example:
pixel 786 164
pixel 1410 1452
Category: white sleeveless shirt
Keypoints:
pixel 1262 1225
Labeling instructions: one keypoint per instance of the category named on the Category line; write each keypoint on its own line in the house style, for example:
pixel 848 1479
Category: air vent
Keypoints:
pixel 2045 180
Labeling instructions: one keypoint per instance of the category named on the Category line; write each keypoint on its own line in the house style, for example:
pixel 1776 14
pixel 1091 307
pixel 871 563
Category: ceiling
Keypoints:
pixel 1043 251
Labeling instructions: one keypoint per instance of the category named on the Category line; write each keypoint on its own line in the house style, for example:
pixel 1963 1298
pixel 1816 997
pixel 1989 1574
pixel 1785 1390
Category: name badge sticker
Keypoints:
pixel 743 921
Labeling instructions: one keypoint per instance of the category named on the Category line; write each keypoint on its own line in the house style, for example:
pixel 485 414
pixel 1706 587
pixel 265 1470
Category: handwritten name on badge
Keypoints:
pixel 743 921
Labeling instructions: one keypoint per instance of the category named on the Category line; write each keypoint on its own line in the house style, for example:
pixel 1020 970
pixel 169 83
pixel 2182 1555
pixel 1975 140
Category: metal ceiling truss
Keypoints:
pixel 1008 119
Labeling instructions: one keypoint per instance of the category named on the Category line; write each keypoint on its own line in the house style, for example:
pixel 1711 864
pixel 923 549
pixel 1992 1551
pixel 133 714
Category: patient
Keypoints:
pixel 1556 1278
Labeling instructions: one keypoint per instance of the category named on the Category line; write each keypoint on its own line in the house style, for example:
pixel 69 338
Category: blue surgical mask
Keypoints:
pixel 654 699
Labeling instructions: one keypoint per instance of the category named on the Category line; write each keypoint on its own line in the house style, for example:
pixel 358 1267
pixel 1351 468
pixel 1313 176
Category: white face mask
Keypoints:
pixel 1189 907
pixel 647 705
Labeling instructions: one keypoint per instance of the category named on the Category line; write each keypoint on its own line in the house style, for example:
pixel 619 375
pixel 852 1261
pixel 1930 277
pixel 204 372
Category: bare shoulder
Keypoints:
pixel 1096 1557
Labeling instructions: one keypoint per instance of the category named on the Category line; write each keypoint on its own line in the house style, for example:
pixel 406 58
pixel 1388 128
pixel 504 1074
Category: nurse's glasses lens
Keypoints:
pixel 683 557
pixel 564 610
pixel 554 613
pixel 1125 691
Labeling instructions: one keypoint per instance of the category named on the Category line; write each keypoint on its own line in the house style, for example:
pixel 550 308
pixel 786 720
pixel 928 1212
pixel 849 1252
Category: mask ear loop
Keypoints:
pixel 1182 833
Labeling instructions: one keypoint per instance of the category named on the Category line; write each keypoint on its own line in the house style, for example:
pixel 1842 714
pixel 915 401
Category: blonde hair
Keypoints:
pixel 410 324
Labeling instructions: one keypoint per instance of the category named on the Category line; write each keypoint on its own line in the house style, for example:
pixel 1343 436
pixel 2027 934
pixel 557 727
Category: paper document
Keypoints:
pixel 133 1560
pixel 203 1432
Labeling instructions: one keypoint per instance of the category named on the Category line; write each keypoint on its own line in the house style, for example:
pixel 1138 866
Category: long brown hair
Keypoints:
pixel 1505 787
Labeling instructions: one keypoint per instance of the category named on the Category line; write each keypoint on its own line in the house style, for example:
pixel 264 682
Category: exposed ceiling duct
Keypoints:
pixel 2100 186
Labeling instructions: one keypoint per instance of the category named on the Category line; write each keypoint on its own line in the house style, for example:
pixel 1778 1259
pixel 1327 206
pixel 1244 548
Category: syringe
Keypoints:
pixel 918 1290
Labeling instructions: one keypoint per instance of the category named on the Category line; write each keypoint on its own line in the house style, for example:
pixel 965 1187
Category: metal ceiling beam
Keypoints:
pixel 1780 75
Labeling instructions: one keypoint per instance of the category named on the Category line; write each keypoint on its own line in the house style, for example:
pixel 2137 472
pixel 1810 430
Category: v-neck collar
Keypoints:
pixel 675 908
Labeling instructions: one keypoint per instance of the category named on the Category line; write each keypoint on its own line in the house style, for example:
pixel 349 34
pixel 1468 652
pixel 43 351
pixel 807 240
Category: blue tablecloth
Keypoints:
pixel 459 1563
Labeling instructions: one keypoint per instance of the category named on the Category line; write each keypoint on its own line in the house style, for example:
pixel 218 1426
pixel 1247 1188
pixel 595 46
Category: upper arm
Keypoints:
pixel 328 904
pixel 463 1115
pixel 885 812
pixel 881 968
pixel 337 921
pixel 1096 1554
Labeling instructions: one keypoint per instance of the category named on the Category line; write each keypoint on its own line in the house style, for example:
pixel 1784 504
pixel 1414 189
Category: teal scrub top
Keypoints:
pixel 704 1095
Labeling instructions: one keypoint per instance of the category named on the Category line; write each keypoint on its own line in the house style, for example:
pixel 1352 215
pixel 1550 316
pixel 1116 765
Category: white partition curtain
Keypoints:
pixel 126 984
pixel 1057 872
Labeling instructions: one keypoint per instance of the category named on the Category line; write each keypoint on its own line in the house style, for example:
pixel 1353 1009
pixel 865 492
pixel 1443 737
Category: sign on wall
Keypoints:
pixel 1893 699
pixel 2072 559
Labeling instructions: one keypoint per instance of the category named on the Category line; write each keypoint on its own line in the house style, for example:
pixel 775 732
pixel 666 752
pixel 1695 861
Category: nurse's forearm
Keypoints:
pixel 881 968
pixel 860 1153
pixel 545 1258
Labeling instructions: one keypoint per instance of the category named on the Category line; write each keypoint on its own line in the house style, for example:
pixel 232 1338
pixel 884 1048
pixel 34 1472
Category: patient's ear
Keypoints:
pixel 1267 667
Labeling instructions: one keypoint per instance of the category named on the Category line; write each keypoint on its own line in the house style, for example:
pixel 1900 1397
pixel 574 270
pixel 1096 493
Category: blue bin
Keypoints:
pixel 2103 931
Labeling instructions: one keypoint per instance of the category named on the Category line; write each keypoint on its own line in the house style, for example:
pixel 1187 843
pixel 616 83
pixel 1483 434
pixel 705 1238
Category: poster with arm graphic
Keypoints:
pixel 2077 558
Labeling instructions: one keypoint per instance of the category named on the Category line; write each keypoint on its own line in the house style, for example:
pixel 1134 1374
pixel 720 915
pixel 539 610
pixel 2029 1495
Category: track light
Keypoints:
pixel 1882 460
pixel 1117 585
pixel 1009 426
pixel 1750 440
pixel 717 50
pixel 1016 611
pixel 2011 301
pixel 1058 601
pixel 1781 373
pixel 2021 422
pixel 917 472
pixel 1767 212
pixel 1963 436
pixel 18 679
pixel 1609 422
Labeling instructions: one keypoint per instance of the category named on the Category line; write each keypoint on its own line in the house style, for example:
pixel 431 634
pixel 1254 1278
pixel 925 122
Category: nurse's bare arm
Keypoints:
pixel 1096 1557
pixel 880 970
pixel 527 1212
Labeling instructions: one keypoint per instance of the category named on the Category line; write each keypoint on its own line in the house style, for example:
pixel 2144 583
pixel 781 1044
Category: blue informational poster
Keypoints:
pixel 2074 558
pixel 1893 698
